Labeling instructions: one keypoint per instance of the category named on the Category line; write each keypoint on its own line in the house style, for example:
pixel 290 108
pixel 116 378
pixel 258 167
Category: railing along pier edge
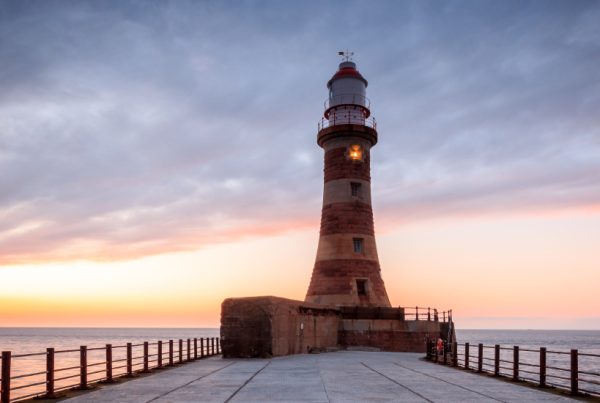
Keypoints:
pixel 113 371
pixel 518 370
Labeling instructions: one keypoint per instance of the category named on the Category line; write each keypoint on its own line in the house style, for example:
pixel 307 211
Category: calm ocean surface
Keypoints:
pixel 34 340
pixel 565 340
pixel 23 340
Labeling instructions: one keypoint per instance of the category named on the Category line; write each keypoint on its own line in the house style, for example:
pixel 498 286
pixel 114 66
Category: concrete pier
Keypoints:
pixel 344 376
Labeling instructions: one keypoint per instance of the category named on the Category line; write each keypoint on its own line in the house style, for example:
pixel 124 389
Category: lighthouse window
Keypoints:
pixel 358 245
pixel 355 152
pixel 355 188
pixel 361 287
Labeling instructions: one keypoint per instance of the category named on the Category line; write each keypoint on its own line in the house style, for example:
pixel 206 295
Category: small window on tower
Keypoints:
pixel 355 187
pixel 355 152
pixel 361 287
pixel 358 245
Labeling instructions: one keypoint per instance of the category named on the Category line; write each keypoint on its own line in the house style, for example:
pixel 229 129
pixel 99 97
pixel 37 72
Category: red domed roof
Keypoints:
pixel 347 70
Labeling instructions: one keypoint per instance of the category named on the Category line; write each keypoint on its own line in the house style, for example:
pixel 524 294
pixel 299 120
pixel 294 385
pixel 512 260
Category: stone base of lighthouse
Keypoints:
pixel 271 326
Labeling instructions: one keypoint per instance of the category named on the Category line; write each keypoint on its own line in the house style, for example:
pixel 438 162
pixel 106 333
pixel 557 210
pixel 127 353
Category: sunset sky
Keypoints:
pixel 158 157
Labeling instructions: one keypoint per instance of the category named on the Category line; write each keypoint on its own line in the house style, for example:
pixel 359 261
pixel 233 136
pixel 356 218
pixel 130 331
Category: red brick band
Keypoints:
pixel 332 277
pixel 347 218
pixel 339 166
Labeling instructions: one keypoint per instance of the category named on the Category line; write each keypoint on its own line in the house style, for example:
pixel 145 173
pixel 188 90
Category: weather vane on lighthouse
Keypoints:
pixel 346 55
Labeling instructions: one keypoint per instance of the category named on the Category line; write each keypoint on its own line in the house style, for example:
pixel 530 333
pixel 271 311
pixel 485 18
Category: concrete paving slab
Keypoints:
pixel 344 376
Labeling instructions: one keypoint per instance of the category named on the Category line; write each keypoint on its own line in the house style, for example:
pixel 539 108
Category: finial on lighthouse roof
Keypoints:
pixel 346 55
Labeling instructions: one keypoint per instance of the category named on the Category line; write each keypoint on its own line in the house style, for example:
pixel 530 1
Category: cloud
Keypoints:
pixel 133 129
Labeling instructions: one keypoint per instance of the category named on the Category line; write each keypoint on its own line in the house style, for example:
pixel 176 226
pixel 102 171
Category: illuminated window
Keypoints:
pixel 355 188
pixel 361 287
pixel 355 152
pixel 358 245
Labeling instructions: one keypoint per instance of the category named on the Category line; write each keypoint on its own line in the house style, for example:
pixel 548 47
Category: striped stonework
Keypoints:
pixel 346 271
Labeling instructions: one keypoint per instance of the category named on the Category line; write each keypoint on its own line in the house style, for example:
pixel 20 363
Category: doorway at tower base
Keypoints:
pixel 272 326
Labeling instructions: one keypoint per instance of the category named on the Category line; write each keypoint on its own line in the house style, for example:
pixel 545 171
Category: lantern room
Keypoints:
pixel 347 102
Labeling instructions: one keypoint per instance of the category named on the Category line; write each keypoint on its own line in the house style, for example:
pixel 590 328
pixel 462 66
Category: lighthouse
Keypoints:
pixel 346 304
pixel 346 270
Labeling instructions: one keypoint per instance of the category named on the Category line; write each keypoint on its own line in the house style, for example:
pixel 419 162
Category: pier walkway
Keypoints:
pixel 344 376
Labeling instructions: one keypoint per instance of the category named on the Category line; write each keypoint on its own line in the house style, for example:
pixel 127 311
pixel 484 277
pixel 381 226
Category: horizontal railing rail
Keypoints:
pixel 427 313
pixel 573 371
pixel 344 118
pixel 137 359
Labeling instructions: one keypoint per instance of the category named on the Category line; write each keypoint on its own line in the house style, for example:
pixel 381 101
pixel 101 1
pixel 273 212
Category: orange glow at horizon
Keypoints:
pixel 489 270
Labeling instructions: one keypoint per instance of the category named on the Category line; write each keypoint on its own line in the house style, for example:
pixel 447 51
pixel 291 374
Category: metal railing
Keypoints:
pixel 135 359
pixel 345 118
pixel 430 314
pixel 542 367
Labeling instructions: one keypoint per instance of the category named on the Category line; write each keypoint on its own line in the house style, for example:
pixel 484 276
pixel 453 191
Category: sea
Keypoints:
pixel 22 341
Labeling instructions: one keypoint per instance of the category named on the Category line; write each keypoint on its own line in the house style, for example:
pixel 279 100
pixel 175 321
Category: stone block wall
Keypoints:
pixel 388 334
pixel 271 326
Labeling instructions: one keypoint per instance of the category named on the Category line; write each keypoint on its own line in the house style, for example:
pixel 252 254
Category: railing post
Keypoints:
pixel 542 366
pixel 83 367
pixel 5 374
pixel 201 347
pixel 129 360
pixel 159 355
pixel 180 351
pixel 574 372
pixel 188 350
pixel 455 354
pixel 49 372
pixel 195 348
pixel 212 344
pixel 497 360
pixel 218 345
pixel 444 315
pixel 170 352
pixel 429 314
pixel 109 377
pixel 146 357
pixel 466 355
pixel 480 357
pixel 515 363
pixel 417 312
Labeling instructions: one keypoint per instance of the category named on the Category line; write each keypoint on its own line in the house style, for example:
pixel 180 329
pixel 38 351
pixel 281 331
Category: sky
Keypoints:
pixel 158 157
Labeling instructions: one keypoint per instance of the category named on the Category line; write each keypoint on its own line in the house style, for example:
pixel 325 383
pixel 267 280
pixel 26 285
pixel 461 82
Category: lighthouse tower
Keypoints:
pixel 346 304
pixel 346 271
